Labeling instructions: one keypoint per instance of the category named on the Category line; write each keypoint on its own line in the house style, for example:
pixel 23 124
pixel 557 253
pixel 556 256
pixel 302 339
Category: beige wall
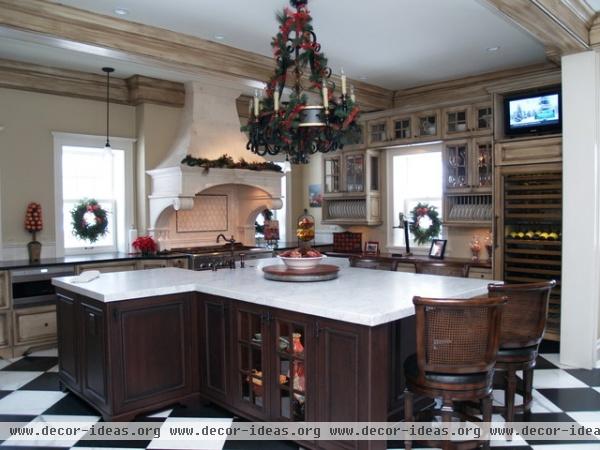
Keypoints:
pixel 26 151
pixel 156 129
pixel 458 237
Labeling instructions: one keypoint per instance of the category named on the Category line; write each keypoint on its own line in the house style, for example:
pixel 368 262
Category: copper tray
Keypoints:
pixel 322 272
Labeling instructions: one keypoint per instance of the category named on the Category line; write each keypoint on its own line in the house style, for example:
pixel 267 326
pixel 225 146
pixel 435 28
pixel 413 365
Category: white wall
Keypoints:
pixel 581 210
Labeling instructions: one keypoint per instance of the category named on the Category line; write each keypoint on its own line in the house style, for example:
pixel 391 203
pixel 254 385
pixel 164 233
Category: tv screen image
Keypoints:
pixel 533 111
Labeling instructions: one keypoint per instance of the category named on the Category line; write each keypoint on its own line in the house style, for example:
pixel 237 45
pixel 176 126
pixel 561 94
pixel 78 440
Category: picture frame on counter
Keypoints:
pixel 372 248
pixel 438 248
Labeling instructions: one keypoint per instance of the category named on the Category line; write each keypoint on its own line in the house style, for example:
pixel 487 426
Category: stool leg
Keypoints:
pixel 408 414
pixel 509 397
pixel 486 413
pixel 528 390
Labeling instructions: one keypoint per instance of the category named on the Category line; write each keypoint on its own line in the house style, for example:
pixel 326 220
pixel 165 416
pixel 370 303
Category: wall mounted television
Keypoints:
pixel 533 112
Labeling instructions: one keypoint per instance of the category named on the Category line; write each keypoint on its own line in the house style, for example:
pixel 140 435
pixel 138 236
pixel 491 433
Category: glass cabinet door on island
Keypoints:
pixel 289 401
pixel 456 162
pixel 251 335
pixel 355 172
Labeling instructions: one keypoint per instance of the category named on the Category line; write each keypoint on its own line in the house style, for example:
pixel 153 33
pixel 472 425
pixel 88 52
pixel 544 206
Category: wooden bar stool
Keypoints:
pixel 457 343
pixel 440 268
pixel 522 330
pixel 366 262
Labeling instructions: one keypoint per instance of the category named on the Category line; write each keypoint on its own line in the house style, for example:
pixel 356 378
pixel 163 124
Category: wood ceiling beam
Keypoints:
pixel 71 83
pixel 562 26
pixel 93 33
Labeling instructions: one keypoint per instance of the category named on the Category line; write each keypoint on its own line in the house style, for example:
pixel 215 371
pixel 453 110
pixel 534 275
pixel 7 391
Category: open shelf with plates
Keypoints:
pixel 471 210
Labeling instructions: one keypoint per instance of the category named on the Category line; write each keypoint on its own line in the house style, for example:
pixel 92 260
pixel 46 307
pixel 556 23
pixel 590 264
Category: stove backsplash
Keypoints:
pixel 229 209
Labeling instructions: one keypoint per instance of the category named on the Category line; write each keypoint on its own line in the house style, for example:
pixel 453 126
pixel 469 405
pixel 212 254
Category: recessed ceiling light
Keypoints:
pixel 493 49
pixel 219 37
pixel 121 11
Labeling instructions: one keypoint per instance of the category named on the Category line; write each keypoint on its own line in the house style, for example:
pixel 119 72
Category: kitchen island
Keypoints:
pixel 329 351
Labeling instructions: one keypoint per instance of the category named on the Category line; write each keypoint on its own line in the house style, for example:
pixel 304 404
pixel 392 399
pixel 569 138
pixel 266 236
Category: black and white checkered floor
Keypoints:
pixel 29 392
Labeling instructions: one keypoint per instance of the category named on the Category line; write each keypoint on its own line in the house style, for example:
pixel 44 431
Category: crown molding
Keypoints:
pixel 562 26
pixel 71 83
pixel 63 26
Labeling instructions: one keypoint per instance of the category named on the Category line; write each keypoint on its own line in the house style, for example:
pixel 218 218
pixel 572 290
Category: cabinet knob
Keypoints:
pixel 46 324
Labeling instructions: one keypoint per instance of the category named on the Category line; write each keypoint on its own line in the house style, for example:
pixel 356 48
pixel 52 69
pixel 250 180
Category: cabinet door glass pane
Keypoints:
pixel 402 129
pixel 250 354
pixel 484 164
pixel 332 175
pixel 291 391
pixel 355 173
pixel 456 165
pixel 427 126
pixel 457 121
pixel 378 131
pixel 484 118
pixel 374 173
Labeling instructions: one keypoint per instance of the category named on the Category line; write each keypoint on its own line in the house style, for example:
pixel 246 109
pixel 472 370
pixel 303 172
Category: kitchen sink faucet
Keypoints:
pixel 232 243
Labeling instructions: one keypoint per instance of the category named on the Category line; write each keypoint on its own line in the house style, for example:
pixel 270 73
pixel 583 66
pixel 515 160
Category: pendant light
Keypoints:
pixel 108 71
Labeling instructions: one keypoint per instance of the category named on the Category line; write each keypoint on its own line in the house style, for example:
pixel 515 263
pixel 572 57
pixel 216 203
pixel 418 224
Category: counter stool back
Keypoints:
pixel 440 268
pixel 373 263
pixel 522 330
pixel 457 344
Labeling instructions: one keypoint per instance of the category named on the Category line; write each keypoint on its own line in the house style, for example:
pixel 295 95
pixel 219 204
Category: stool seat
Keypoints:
pixel 516 355
pixel 447 381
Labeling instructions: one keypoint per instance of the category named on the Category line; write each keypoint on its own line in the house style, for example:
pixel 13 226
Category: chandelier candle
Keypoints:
pixel 295 127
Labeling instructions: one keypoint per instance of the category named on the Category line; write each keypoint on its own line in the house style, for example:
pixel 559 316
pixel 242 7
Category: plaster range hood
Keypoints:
pixel 210 127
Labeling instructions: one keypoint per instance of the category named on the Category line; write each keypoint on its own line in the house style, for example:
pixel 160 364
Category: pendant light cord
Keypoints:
pixel 108 70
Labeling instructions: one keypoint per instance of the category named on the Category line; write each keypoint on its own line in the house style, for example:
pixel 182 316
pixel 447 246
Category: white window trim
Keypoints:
pixel 1 246
pixel 85 140
pixel 403 150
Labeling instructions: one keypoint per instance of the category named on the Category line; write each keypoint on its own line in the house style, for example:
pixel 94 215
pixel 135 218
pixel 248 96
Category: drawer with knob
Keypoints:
pixel 34 324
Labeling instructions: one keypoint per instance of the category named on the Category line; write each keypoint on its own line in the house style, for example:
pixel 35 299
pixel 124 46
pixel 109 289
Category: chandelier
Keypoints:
pixel 300 126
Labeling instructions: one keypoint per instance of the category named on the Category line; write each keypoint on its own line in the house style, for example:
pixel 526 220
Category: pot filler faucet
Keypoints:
pixel 232 243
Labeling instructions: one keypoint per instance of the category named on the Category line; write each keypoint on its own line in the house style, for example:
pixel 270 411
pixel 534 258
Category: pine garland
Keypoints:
pixel 227 162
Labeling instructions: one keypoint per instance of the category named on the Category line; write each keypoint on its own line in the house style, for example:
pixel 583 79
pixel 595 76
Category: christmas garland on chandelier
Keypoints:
pixel 294 127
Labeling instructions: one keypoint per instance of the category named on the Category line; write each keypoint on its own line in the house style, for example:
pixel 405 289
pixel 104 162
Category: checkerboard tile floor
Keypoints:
pixel 29 391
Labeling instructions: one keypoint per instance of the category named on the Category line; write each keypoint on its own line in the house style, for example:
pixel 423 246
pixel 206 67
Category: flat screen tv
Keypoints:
pixel 534 112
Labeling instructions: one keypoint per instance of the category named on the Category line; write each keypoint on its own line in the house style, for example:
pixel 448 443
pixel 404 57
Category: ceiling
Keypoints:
pixel 595 4
pixel 390 43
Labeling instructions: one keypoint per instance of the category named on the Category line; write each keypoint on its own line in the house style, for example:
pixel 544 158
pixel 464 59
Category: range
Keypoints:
pixel 222 256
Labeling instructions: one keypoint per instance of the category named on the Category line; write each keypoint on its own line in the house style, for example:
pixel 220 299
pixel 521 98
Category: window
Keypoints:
pixel 416 176
pixel 84 169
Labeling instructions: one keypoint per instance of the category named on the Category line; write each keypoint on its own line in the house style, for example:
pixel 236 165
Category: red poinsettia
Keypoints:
pixel 145 244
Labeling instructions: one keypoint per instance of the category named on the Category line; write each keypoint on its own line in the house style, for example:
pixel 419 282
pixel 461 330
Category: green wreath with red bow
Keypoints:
pixel 89 220
pixel 426 224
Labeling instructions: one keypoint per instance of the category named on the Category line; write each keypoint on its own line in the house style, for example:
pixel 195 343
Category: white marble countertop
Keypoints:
pixel 361 296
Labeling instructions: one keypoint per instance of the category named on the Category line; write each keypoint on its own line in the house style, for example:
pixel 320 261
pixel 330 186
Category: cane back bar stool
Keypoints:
pixel 440 268
pixel 365 262
pixel 522 330
pixel 457 343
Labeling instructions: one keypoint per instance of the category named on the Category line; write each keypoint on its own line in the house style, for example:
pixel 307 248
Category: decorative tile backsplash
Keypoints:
pixel 209 213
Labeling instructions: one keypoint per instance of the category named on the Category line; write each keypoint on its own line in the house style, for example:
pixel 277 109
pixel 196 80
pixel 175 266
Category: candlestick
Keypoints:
pixel 325 96
pixel 343 82
pixel 276 100
pixel 256 103
pixel 352 96
pixel 250 107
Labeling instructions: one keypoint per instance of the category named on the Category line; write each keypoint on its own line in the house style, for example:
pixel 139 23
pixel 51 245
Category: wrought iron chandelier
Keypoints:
pixel 296 126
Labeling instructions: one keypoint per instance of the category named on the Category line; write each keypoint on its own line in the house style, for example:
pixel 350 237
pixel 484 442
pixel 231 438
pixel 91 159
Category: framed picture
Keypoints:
pixel 372 248
pixel 438 247
pixel 315 196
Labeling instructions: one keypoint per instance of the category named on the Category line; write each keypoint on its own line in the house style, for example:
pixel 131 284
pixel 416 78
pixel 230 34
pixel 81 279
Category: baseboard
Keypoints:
pixel 18 251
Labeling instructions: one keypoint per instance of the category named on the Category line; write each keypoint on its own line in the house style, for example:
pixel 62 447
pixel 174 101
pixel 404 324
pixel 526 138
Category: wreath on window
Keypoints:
pixel 89 220
pixel 425 224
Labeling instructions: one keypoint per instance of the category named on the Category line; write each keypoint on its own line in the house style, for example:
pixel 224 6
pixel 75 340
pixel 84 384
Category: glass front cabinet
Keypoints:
pixel 468 165
pixel 351 187
pixel 467 120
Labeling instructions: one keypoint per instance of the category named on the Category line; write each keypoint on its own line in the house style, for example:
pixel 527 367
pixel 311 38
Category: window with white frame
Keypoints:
pixel 84 169
pixel 415 174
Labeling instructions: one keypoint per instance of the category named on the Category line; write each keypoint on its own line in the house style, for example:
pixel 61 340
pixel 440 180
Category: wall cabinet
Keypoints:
pixel 5 287
pixel 427 125
pixel 351 181
pixel 467 120
pixel 126 357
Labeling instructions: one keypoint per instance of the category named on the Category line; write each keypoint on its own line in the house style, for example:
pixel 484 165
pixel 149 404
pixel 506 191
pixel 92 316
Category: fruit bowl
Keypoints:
pixel 302 263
